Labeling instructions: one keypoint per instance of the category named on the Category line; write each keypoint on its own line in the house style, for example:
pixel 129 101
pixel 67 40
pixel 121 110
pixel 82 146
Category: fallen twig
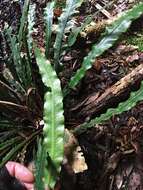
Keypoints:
pixel 113 95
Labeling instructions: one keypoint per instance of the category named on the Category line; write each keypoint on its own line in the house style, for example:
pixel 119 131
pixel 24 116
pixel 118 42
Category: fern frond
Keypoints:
pixel 12 153
pixel 7 134
pixel 9 142
pixel 21 61
pixel 48 22
pixel 70 9
pixel 16 147
pixel 23 20
pixel 16 55
pixel 40 164
pixel 9 74
pixel 76 30
pixel 134 98
pixel 6 123
pixel 53 116
pixel 30 27
pixel 28 82
pixel 111 35
pixel 7 93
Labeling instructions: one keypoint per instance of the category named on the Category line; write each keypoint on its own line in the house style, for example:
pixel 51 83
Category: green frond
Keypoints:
pixel 23 20
pixel 111 35
pixel 4 123
pixel 21 61
pixel 16 55
pixel 70 9
pixel 7 93
pixel 74 34
pixel 26 62
pixel 40 163
pixel 53 116
pixel 134 98
pixel 9 142
pixel 30 27
pixel 9 76
pixel 12 153
pixel 48 22
pixel 75 31
pixel 7 134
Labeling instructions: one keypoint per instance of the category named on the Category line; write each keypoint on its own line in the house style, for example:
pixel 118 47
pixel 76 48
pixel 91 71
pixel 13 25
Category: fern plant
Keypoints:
pixel 21 104
pixel 31 121
pixel 22 129
pixel 111 35
pixel 70 9
pixel 54 120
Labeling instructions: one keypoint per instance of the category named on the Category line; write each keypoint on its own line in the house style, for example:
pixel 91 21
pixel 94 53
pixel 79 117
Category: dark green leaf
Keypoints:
pixel 111 35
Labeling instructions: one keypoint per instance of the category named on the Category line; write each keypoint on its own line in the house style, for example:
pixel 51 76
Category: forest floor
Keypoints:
pixel 113 151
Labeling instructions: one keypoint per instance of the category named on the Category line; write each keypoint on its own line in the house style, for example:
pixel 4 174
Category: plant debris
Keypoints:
pixel 107 156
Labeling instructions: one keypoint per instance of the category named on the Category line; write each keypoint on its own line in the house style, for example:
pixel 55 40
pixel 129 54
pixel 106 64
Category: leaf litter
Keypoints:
pixel 113 151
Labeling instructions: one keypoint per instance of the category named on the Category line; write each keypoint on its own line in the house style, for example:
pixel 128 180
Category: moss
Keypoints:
pixel 136 39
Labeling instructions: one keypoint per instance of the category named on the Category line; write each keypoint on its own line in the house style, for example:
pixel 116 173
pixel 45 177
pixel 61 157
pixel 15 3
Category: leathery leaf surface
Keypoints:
pixel 111 35
pixel 64 19
pixel 134 98
pixel 53 119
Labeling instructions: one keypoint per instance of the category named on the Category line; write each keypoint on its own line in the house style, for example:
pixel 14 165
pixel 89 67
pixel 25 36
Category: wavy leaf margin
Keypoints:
pixel 70 9
pixel 111 35
pixel 134 98
pixel 53 117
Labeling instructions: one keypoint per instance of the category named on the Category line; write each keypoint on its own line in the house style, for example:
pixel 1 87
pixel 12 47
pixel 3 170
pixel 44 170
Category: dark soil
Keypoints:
pixel 113 151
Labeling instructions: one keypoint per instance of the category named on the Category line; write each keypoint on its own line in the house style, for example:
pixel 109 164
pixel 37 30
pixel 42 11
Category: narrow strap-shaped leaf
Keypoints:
pixel 111 35
pixel 5 124
pixel 40 164
pixel 8 93
pixel 53 115
pixel 70 9
pixel 134 98
pixel 16 55
pixel 30 27
pixel 27 61
pixel 3 133
pixel 9 73
pixel 23 20
pixel 27 72
pixel 7 134
pixel 76 30
pixel 10 77
pixel 11 153
pixel 3 153
pixel 9 142
pixel 48 22
pixel 21 62
pixel 17 148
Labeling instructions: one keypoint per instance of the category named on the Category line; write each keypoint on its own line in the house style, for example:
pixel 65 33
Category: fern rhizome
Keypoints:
pixel 31 117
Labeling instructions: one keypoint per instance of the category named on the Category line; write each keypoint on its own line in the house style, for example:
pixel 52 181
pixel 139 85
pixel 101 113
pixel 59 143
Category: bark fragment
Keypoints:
pixel 113 95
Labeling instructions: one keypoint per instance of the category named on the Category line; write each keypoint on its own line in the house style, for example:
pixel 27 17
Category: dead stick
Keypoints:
pixel 113 94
